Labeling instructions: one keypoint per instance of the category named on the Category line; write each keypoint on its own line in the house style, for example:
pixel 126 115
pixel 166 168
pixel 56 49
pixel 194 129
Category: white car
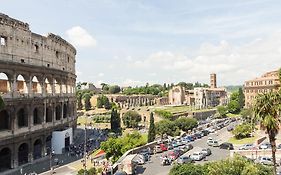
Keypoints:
pixel 213 143
pixel 265 160
pixel 247 147
pixel 197 156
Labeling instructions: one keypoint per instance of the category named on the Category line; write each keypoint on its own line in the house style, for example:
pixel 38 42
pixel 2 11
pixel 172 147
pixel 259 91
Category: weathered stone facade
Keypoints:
pixel 37 83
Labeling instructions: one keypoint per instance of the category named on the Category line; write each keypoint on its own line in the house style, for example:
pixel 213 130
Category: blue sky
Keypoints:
pixel 131 42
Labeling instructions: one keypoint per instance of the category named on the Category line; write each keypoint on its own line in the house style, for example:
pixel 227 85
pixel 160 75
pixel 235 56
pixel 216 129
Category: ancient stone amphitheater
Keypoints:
pixel 37 83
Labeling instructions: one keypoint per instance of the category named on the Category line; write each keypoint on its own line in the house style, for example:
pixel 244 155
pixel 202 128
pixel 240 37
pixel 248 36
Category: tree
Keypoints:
pixel 115 121
pixel 267 110
pixel 243 130
pixel 131 119
pixel 222 110
pixel 241 98
pixel 87 98
pixel 151 130
pixel 233 107
pixel 106 103
pixel 2 103
pixel 114 89
pixel 104 87
pixel 231 166
pixel 186 124
pixel 166 127
pixel 99 102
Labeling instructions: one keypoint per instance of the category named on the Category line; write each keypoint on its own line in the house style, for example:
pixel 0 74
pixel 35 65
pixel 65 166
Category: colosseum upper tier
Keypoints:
pixel 37 83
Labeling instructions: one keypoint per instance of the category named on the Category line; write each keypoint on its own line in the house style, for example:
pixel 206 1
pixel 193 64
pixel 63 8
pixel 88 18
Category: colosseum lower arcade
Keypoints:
pixel 37 83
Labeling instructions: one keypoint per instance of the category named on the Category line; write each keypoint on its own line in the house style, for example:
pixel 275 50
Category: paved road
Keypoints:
pixel 155 168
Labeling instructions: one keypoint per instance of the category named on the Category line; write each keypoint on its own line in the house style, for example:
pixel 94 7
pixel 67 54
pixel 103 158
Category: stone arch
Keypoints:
pixel 36 86
pixel 21 84
pixel 48 144
pixel 22 118
pixel 56 86
pixel 49 115
pixel 4 83
pixel 5 159
pixel 23 154
pixel 37 149
pixel 5 120
pixel 37 119
pixel 65 110
pixel 48 86
pixel 58 112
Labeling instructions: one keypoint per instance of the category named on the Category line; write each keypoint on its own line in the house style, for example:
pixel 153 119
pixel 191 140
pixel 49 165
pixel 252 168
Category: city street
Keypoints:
pixel 154 166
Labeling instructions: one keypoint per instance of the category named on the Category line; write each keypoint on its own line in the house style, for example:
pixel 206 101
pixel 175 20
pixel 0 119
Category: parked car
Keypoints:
pixel 265 146
pixel 198 135
pixel 184 159
pixel 179 152
pixel 173 155
pixel 197 156
pixel 189 146
pixel 174 144
pixel 206 151
pixel 246 147
pixel 170 146
pixel 279 146
pixel 213 143
pixel 230 128
pixel 226 145
pixel 120 173
pixel 163 147
pixel 265 160
pixel 157 149
pixel 205 132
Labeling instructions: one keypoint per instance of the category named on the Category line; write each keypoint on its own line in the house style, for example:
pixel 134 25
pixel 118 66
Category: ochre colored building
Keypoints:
pixel 266 83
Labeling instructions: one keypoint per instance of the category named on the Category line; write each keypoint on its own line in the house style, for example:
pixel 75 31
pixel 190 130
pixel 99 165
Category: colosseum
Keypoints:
pixel 37 83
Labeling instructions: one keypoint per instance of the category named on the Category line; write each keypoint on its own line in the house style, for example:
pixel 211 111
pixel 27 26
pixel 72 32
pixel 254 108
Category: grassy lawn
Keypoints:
pixel 233 140
pixel 179 109
pixel 233 115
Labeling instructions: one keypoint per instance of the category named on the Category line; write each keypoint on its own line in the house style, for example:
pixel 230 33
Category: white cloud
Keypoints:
pixel 233 63
pixel 79 37
pixel 101 74
pixel 130 82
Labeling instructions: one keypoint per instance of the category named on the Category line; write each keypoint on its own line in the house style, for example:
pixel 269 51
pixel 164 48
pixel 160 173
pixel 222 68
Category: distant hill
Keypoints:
pixel 233 88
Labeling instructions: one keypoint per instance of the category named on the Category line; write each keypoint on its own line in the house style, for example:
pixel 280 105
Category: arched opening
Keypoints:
pixel 48 144
pixel 57 87
pixel 36 87
pixel 22 118
pixel 37 149
pixel 4 84
pixel 5 159
pixel 21 85
pixel 64 88
pixel 58 112
pixel 48 86
pixel 65 110
pixel 36 117
pixel 5 120
pixel 49 116
pixel 23 154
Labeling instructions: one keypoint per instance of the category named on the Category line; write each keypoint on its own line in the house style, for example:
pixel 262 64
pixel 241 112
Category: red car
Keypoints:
pixel 172 155
pixel 163 147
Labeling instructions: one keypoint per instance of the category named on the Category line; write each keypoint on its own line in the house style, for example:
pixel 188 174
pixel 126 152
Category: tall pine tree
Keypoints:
pixel 151 131
pixel 115 120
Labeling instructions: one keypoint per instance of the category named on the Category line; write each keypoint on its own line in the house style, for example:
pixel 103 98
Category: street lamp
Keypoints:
pixel 85 148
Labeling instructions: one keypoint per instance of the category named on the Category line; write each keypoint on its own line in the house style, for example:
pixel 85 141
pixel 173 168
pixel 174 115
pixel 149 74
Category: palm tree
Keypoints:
pixel 267 110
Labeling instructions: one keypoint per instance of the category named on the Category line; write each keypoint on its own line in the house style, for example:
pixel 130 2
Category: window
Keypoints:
pixel 57 54
pixel 36 48
pixel 68 59
pixel 3 40
pixel 22 60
